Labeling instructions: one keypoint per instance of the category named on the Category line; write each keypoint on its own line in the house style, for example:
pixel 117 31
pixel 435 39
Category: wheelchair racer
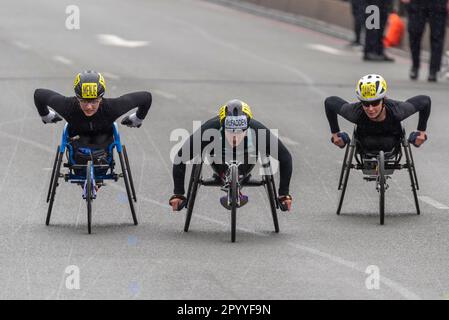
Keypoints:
pixel 89 115
pixel 233 122
pixel 377 117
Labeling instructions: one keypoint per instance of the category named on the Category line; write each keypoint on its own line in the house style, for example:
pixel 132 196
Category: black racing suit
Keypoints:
pixel 95 132
pixel 252 146
pixel 382 135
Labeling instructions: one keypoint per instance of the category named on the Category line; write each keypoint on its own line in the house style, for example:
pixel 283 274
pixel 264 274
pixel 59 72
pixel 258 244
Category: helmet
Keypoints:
pixel 89 85
pixel 371 87
pixel 235 115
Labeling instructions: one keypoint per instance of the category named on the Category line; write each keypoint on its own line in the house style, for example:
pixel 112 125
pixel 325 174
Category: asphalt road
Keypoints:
pixel 194 56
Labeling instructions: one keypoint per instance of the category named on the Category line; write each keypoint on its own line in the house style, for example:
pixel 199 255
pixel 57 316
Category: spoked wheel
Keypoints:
pixel 345 169
pixel 412 174
pixel 234 193
pixel 191 193
pixel 89 195
pixel 130 176
pixel 269 186
pixel 381 184
pixel 128 189
pixel 53 184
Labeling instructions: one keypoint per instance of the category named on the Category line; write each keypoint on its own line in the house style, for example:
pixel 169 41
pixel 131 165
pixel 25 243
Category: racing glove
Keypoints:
pixel 344 136
pixel 412 138
pixel 132 121
pixel 182 204
pixel 51 117
pixel 281 199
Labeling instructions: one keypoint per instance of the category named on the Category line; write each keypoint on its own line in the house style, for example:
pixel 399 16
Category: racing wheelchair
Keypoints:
pixel 100 166
pixel 231 183
pixel 378 166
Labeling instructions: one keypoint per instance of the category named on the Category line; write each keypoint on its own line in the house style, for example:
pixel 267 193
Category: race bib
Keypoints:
pixel 236 123
pixel 369 90
pixel 89 90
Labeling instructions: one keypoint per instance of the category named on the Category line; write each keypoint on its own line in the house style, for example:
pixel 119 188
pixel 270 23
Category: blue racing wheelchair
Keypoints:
pixel 90 174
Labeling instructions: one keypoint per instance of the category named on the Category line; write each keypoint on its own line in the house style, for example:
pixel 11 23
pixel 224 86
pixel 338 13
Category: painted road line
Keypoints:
pixel 326 49
pixel 22 45
pixel 110 75
pixel 113 40
pixel 433 203
pixel 62 60
pixel 164 94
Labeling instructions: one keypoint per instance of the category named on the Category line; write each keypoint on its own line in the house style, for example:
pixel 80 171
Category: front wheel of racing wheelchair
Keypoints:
pixel 90 172
pixel 234 184
pixel 378 166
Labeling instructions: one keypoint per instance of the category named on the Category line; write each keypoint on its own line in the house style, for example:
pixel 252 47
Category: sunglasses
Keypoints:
pixel 374 103
pixel 89 101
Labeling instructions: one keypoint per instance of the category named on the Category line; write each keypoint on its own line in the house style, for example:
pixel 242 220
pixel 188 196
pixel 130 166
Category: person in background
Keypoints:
pixel 419 12
pixel 374 47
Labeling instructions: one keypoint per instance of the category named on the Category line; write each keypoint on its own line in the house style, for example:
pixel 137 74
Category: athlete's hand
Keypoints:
pixel 132 121
pixel 51 117
pixel 285 202
pixel 177 202
pixel 421 138
pixel 337 140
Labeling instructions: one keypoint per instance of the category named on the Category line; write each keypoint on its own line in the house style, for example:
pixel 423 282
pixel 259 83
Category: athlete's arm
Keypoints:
pixel 44 98
pixel 421 104
pixel 337 106
pixel 121 105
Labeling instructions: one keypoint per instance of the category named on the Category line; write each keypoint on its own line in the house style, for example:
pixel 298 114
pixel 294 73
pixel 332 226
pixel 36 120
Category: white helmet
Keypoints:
pixel 371 87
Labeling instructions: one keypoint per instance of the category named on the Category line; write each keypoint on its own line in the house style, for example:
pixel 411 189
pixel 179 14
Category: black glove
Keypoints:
pixel 344 136
pixel 412 138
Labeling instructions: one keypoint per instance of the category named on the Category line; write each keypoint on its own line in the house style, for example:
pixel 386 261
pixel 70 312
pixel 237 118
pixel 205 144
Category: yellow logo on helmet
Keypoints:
pixel 89 90
pixel 77 80
pixel 101 81
pixel 368 90
pixel 222 113
pixel 247 110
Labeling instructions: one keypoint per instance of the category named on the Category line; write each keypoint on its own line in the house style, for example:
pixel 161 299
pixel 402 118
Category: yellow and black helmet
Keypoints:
pixel 89 85
pixel 371 87
pixel 235 115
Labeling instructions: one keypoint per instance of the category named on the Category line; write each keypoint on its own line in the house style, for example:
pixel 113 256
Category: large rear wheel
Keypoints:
pixel 234 193
pixel 381 182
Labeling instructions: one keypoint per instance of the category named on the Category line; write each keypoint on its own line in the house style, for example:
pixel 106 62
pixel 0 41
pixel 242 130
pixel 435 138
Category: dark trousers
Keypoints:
pixel 418 16
pixel 374 37
pixel 358 12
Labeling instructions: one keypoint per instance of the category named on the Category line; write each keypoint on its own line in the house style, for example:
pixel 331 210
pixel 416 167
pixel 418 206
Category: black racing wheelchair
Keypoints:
pixel 377 166
pixel 100 165
pixel 231 183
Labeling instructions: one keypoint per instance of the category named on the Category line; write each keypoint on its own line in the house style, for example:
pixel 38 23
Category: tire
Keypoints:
pixel 382 181
pixel 347 168
pixel 89 196
pixel 130 176
pixel 269 181
pixel 52 174
pixel 412 175
pixel 54 180
pixel 128 191
pixel 343 166
pixel 234 194
pixel 193 187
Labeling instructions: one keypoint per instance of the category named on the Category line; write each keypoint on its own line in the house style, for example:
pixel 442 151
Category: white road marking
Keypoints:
pixel 113 40
pixel 165 94
pixel 110 75
pixel 22 45
pixel 62 60
pixel 288 141
pixel 433 203
pixel 326 49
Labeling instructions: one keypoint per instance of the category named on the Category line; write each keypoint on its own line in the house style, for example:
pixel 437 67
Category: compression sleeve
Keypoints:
pixel 44 98
pixel 421 104
pixel 337 106
pixel 189 151
pixel 121 105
